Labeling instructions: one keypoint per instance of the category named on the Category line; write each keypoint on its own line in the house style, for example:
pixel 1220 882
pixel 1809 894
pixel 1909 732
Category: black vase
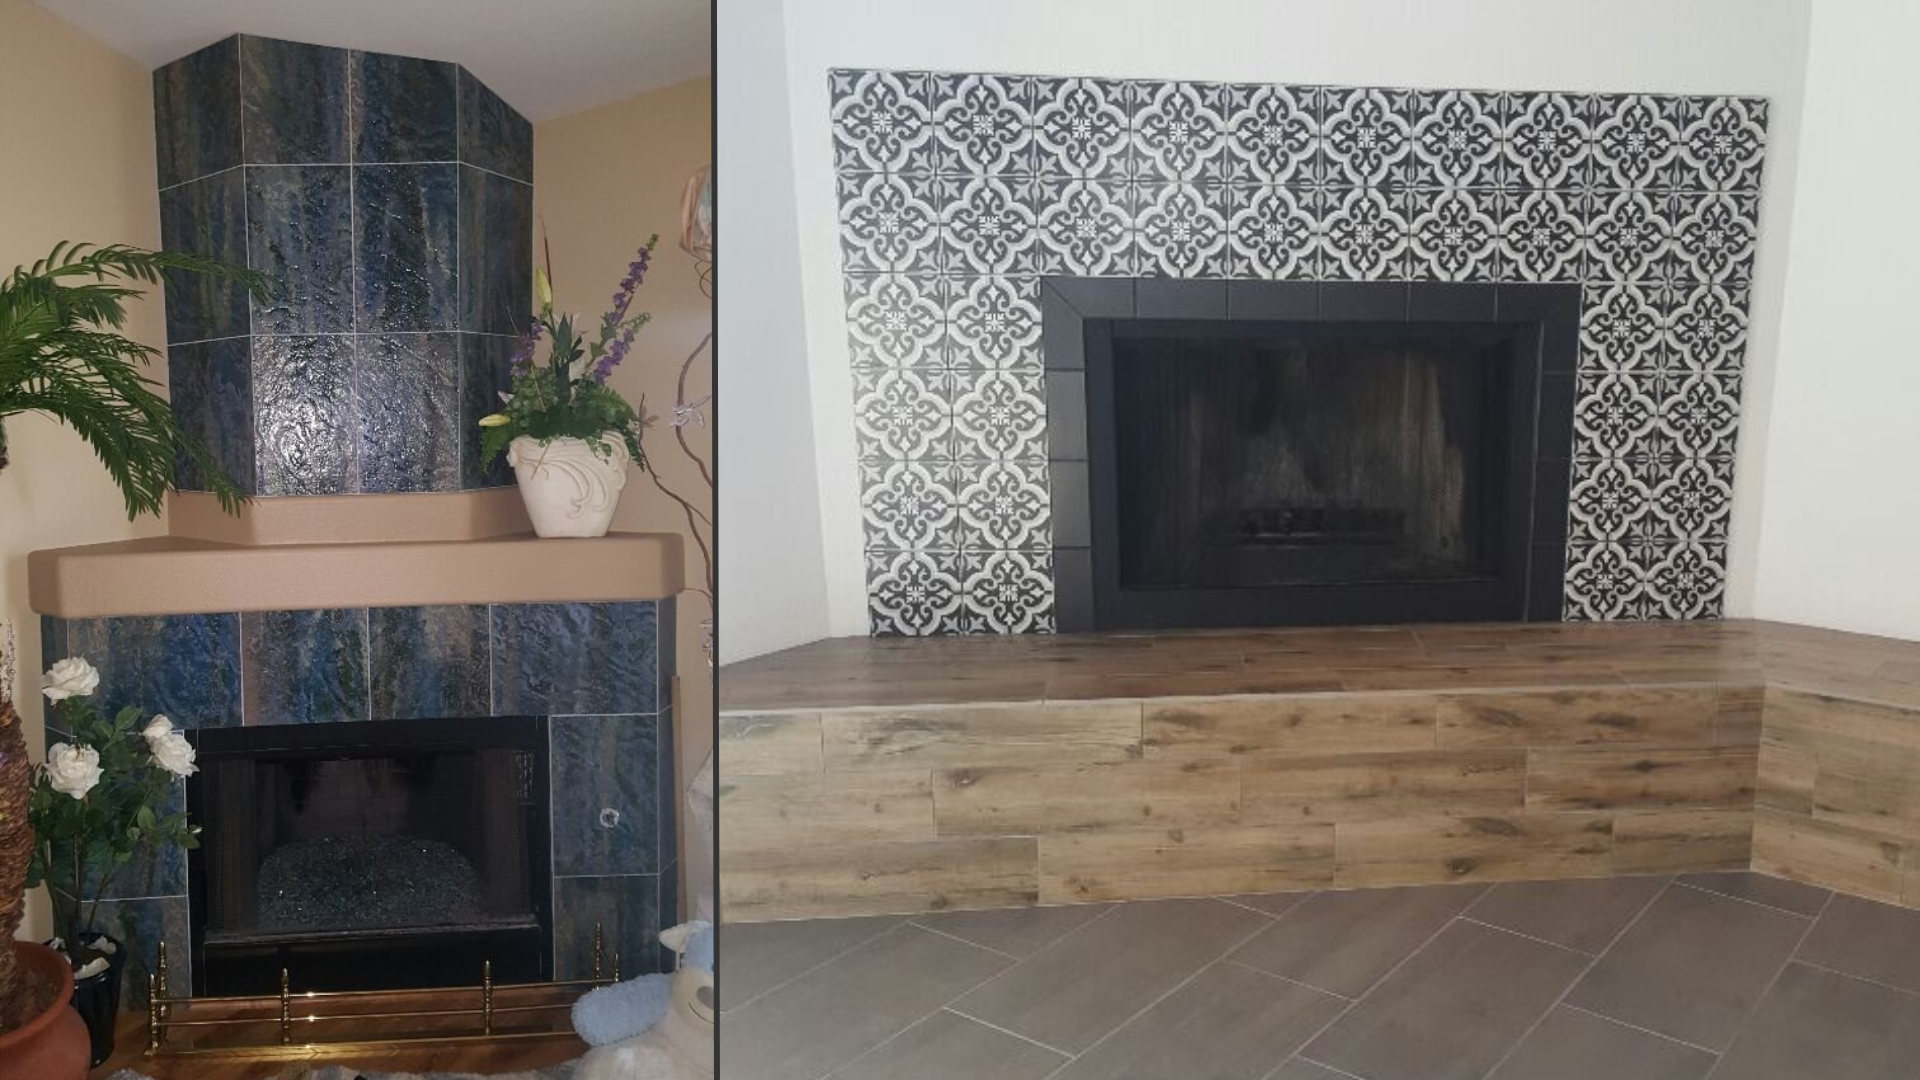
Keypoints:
pixel 97 997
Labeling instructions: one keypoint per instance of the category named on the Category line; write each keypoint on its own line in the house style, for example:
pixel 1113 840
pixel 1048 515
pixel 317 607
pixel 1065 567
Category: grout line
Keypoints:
pixel 1004 1031
pixel 1748 901
pixel 1643 1030
pixel 1909 992
pixel 963 941
pixel 1567 990
pixel 1511 932
pixel 816 967
pixel 1257 911
pixel 1771 983
pixel 1230 961
pixel 1316 1062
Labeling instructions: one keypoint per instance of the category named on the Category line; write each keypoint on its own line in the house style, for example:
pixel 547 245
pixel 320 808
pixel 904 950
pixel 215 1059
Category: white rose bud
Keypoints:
pixel 157 727
pixel 172 752
pixel 72 677
pixel 73 770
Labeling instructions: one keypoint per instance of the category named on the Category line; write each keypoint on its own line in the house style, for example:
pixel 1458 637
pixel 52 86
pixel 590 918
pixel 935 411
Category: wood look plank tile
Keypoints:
pixel 833 1014
pixel 1209 861
pixel 1453 1010
pixel 983 736
pixel 760 744
pixel 1399 851
pixel 1479 677
pixel 1676 841
pixel 1088 983
pixel 1663 717
pixel 1786 776
pixel 791 882
pixel 825 809
pixel 1285 789
pixel 1874 789
pixel 1031 801
pixel 1832 856
pixel 1329 724
pixel 1606 778
pixel 1229 1023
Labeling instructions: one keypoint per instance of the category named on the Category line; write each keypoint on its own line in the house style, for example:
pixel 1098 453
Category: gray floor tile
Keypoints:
pixel 851 1004
pixel 1584 914
pixel 1815 1025
pixel 1874 941
pixel 1453 1010
pixel 1271 903
pixel 945 1046
pixel 1228 1023
pixel 1014 931
pixel 1761 889
pixel 1692 967
pixel 1344 941
pixel 1298 1069
pixel 761 956
pixel 1086 984
pixel 1574 1045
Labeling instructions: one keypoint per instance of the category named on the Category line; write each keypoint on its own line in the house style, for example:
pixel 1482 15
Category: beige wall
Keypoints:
pixel 604 180
pixel 75 165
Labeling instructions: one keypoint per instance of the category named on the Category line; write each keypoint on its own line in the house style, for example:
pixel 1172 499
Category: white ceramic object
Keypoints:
pixel 569 489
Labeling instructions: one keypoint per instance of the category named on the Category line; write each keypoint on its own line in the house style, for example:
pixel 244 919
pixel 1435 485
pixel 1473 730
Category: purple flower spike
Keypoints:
pixel 522 360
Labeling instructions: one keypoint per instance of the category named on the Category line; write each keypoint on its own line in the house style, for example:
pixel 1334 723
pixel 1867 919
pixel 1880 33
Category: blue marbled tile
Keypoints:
pixel 403 109
pixel 300 235
pixel 575 659
pixel 196 113
pixel 667 790
pixel 210 385
pixel 628 911
pixel 485 373
pixel 606 781
pixel 155 870
pixel 496 253
pixel 306 440
pixel 305 667
pixel 206 217
pixel 186 667
pixel 293 101
pixel 668 910
pixel 493 135
pixel 405 217
pixel 142 925
pixel 428 662
pixel 409 395
pixel 53 641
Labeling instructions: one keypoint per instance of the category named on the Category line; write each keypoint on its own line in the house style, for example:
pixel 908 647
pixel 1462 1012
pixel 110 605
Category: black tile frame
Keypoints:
pixel 1077 311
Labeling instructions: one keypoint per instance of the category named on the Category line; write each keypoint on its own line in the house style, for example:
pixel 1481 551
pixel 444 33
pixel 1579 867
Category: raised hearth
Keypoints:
pixel 987 772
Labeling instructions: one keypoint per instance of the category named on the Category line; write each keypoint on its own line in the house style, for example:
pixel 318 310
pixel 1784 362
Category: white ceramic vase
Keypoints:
pixel 569 489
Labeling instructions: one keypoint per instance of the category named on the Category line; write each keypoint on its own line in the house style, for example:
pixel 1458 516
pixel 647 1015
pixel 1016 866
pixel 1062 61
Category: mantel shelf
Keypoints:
pixel 178 575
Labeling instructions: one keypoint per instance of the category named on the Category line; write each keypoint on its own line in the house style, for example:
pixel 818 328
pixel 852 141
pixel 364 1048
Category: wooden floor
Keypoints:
pixel 468 1057
pixel 888 775
pixel 867 671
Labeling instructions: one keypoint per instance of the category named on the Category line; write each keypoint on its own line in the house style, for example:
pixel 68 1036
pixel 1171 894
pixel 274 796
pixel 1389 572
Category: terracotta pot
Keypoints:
pixel 569 489
pixel 53 1045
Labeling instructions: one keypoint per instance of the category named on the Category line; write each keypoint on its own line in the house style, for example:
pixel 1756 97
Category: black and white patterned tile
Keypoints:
pixel 959 192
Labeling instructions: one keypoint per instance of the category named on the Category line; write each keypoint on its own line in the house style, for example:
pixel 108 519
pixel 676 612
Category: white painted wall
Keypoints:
pixel 1841 509
pixel 1701 46
pixel 773 591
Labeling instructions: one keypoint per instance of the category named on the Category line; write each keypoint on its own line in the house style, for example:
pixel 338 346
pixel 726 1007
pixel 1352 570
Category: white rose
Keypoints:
pixel 73 770
pixel 157 727
pixel 172 752
pixel 72 677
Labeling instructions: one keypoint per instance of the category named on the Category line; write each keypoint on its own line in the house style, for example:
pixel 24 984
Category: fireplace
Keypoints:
pixel 370 854
pixel 1312 454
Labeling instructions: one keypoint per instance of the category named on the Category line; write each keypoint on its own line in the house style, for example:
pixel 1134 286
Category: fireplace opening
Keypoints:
pixel 1273 454
pixel 370 855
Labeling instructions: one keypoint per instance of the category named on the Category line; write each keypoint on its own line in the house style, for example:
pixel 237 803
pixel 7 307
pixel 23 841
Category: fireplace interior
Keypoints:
pixel 369 855
pixel 1261 454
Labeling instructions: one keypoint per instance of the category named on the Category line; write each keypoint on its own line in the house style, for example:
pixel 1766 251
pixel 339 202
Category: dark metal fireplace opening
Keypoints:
pixel 1380 458
pixel 370 855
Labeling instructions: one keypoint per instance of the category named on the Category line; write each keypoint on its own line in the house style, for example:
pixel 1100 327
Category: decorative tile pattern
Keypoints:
pixel 408 389
pixel 605 820
pixel 305 667
pixel 958 192
pixel 428 662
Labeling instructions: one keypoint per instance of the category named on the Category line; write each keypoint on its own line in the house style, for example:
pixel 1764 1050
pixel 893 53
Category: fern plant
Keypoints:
pixel 61 354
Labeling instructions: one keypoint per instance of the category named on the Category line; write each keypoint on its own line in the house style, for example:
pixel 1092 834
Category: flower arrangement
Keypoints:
pixel 93 801
pixel 568 396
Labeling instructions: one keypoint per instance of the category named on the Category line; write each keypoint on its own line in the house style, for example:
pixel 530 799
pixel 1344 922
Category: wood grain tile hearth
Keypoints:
pixel 869 776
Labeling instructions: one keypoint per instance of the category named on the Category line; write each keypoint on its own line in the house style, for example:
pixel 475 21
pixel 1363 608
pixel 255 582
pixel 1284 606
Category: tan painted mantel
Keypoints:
pixel 287 554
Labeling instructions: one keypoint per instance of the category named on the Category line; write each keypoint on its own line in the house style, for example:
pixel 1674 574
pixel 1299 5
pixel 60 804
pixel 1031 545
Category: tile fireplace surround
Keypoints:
pixel 961 194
